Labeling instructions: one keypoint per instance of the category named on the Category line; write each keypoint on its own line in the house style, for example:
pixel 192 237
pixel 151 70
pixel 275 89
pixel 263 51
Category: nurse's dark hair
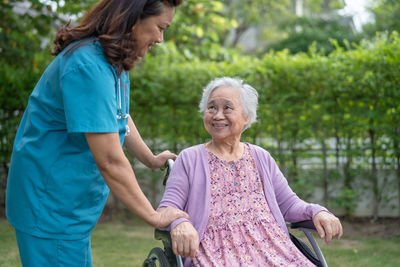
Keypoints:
pixel 110 22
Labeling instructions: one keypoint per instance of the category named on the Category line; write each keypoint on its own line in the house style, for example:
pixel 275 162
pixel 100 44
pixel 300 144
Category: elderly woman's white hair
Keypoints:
pixel 248 96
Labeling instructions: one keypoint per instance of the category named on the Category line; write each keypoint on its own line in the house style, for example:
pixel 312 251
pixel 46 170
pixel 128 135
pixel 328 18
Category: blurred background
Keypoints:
pixel 327 72
pixel 328 77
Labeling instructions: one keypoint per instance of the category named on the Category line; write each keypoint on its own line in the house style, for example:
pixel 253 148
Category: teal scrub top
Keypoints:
pixel 54 188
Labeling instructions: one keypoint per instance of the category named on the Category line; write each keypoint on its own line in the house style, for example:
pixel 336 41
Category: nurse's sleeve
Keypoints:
pixel 89 99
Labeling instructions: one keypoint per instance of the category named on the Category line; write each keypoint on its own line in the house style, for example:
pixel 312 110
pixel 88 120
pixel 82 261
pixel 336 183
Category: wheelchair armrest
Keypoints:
pixel 308 227
pixel 164 236
pixel 303 224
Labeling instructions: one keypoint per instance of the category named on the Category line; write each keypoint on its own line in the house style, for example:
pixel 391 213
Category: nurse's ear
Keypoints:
pixel 135 25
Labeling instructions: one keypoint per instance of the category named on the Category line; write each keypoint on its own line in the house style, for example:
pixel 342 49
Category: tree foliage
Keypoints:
pixel 386 17
pixel 304 31
pixel 326 117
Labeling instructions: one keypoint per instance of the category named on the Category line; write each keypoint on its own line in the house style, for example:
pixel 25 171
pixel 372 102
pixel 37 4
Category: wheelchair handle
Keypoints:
pixel 168 166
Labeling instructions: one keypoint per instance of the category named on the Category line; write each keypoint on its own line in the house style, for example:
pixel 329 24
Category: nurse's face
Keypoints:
pixel 150 31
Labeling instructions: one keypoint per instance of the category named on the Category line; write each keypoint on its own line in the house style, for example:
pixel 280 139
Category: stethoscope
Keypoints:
pixel 120 114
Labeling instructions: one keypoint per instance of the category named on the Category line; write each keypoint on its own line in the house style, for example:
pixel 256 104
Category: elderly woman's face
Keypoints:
pixel 223 118
pixel 150 31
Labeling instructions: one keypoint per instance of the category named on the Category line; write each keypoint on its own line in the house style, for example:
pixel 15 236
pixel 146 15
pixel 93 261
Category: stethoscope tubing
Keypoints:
pixel 120 114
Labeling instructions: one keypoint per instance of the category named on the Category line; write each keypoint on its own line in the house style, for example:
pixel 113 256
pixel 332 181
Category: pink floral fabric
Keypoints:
pixel 241 230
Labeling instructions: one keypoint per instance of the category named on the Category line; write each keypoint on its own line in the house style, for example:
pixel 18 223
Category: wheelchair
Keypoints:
pixel 165 257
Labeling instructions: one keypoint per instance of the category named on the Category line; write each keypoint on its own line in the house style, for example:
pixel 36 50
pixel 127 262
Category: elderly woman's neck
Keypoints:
pixel 226 150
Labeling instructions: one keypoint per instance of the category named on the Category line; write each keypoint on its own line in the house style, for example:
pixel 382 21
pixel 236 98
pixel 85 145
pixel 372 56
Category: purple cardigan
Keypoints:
pixel 188 189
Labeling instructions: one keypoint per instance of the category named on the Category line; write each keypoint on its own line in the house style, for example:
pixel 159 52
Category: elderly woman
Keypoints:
pixel 237 198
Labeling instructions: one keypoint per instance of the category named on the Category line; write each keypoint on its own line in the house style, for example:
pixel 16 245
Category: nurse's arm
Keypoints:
pixel 119 176
pixel 138 148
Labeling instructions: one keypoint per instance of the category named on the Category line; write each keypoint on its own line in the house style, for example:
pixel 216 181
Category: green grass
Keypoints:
pixel 361 251
pixel 9 256
pixel 127 244
pixel 118 244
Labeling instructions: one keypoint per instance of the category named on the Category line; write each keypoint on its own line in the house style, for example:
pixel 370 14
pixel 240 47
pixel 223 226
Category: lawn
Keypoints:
pixel 127 244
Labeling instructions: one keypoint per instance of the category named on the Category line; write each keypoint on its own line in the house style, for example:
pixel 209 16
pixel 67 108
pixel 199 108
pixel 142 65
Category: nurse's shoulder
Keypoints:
pixel 82 54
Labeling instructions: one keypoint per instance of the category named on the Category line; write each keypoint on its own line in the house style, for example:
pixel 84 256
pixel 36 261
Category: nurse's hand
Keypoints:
pixel 165 216
pixel 159 160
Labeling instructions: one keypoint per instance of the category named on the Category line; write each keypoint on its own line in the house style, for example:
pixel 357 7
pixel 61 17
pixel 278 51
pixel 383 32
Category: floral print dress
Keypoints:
pixel 241 229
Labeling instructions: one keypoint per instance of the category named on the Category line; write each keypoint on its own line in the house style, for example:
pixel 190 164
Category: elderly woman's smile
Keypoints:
pixel 224 118
pixel 219 126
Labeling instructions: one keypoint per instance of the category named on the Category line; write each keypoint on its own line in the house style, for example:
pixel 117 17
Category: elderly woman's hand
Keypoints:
pixel 185 240
pixel 328 226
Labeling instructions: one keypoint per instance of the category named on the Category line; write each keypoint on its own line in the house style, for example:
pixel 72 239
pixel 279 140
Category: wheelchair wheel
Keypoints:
pixel 156 258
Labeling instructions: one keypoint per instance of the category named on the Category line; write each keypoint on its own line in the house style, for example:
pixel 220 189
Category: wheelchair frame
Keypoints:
pixel 166 258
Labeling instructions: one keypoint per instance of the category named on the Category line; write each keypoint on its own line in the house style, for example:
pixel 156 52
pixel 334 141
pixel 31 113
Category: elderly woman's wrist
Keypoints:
pixel 322 209
pixel 176 222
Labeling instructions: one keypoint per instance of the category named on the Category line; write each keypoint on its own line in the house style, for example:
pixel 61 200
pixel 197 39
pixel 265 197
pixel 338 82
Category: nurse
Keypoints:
pixel 68 152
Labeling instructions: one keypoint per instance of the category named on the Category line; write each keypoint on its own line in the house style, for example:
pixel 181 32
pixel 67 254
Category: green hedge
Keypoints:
pixel 341 112
pixel 326 119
